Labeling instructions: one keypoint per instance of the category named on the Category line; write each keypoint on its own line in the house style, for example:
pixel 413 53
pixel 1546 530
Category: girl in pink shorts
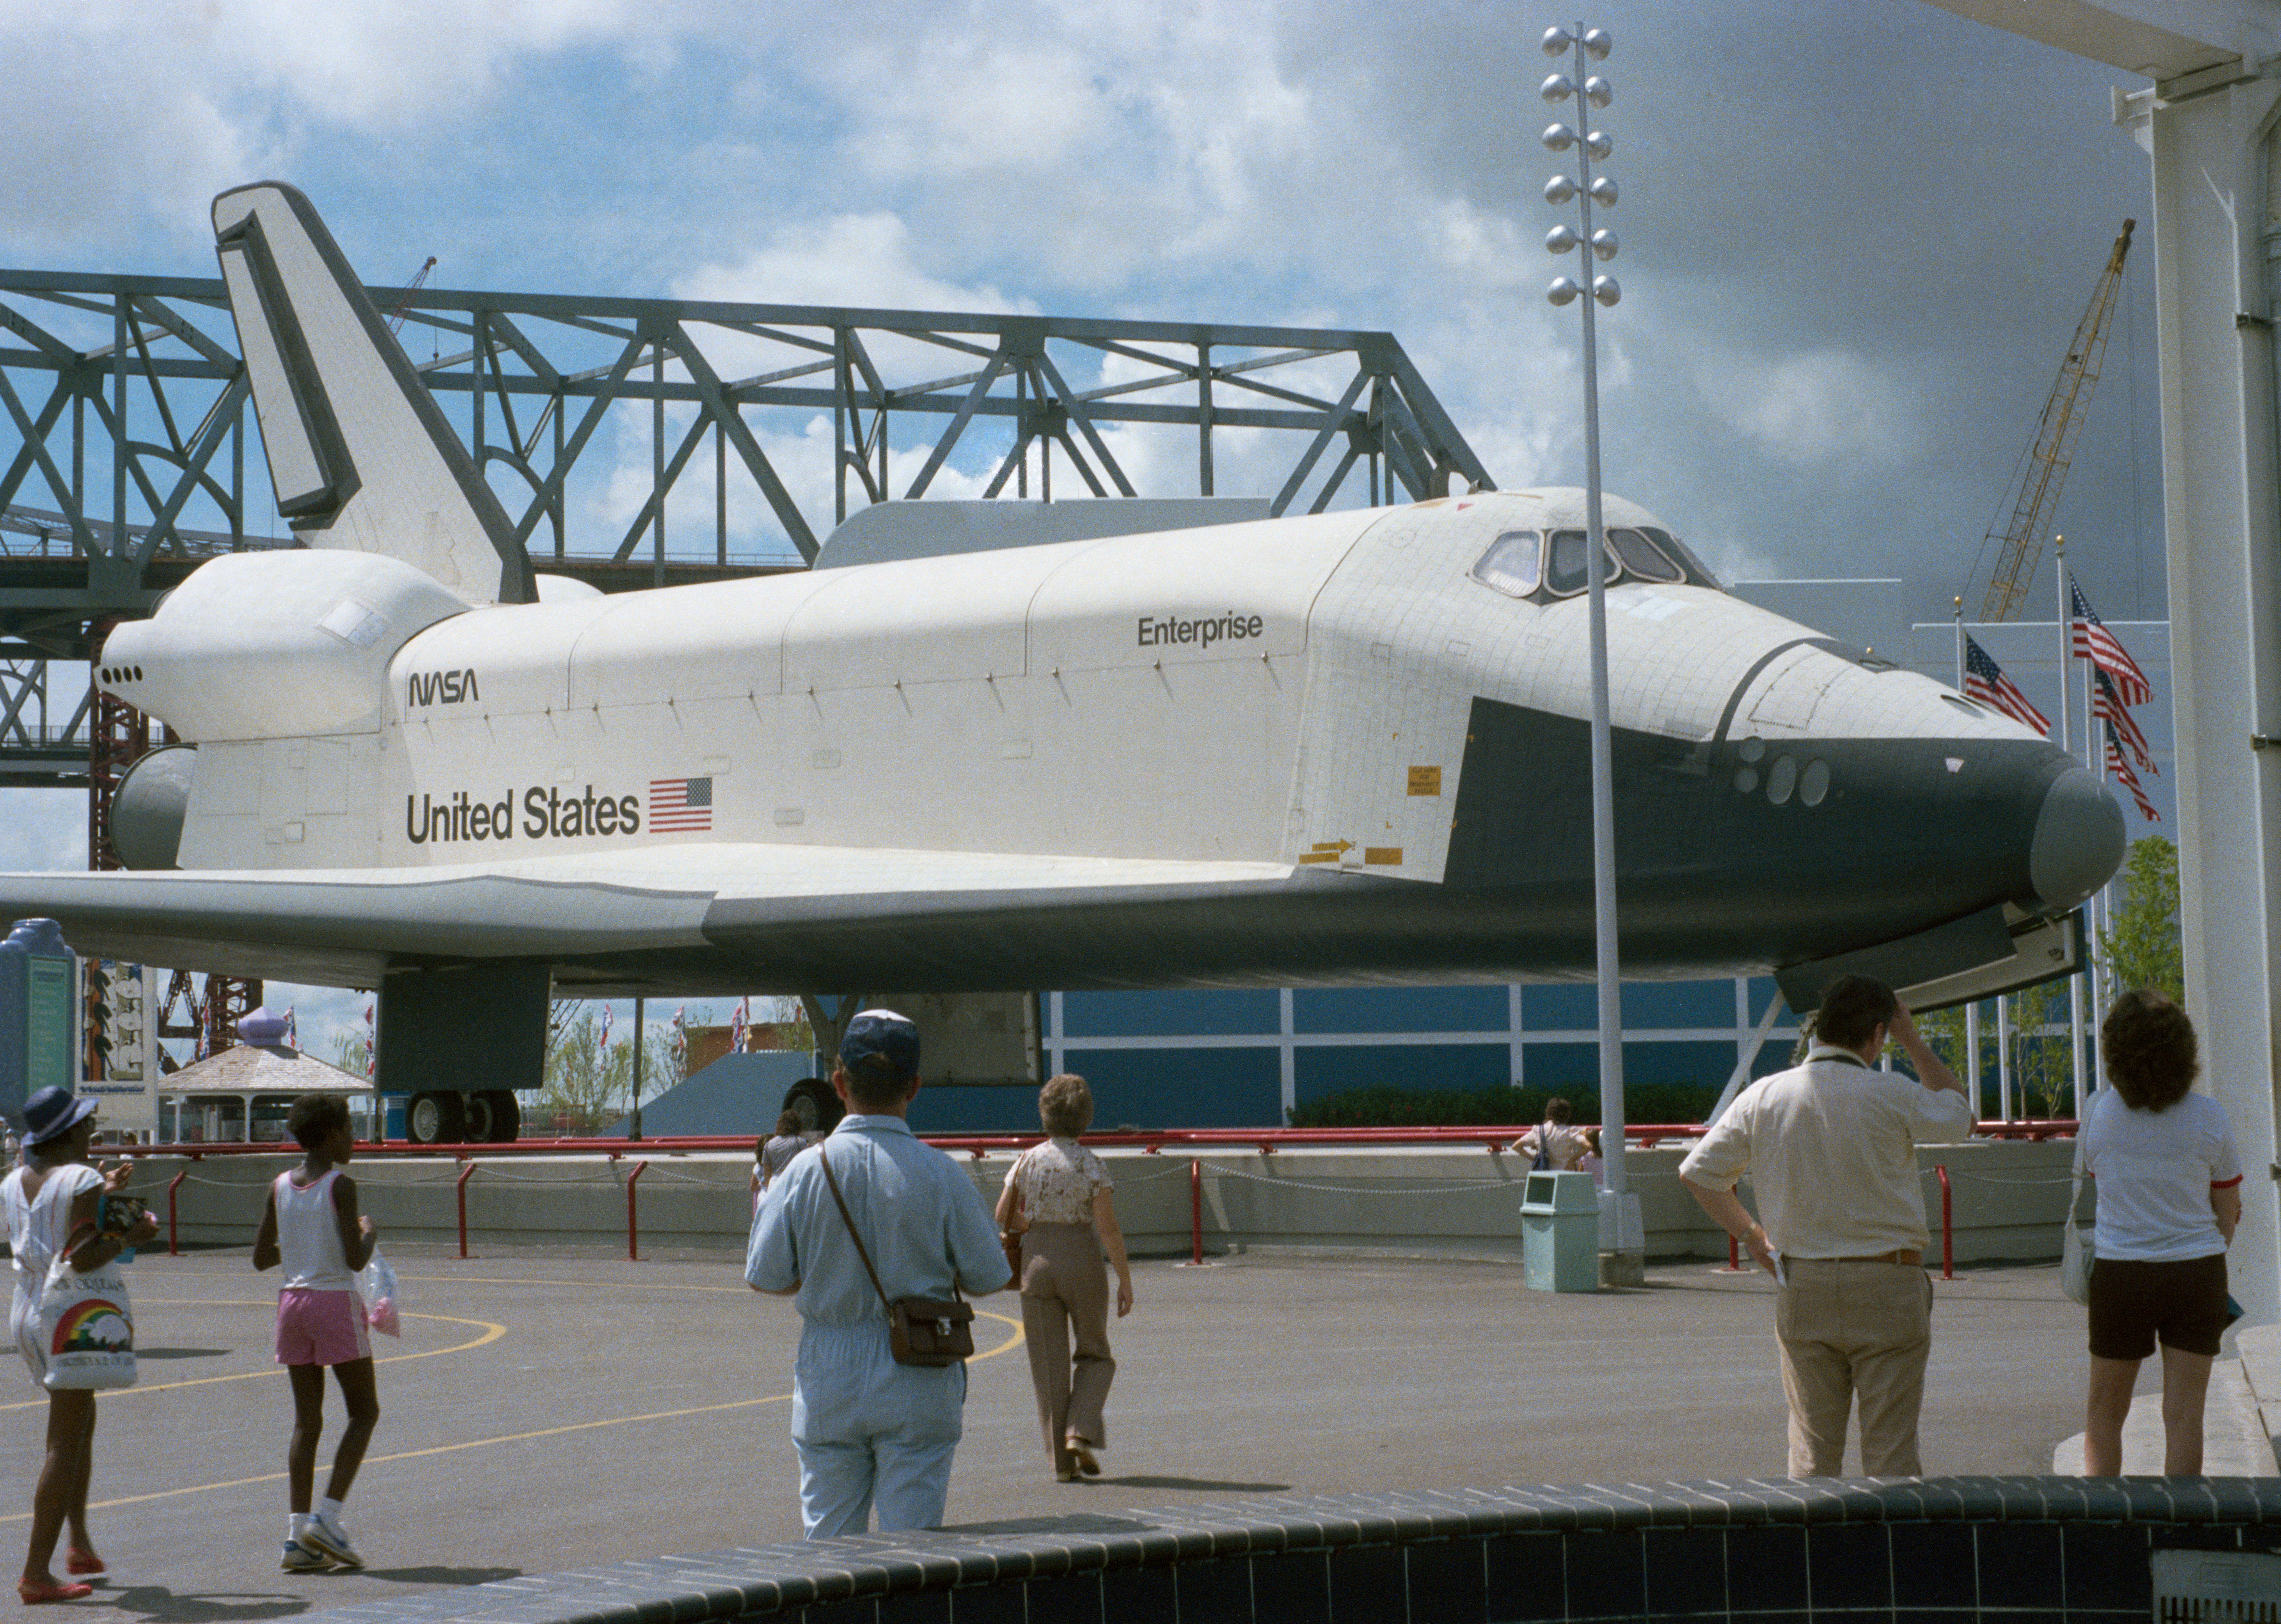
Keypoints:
pixel 311 1225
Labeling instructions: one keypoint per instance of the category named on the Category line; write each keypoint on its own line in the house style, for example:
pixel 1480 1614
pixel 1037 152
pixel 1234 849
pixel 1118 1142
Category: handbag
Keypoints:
pixel 1012 1239
pixel 86 1326
pixel 2075 1256
pixel 922 1330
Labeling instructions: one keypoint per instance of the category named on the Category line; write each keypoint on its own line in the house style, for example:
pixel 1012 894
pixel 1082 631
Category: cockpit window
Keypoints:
pixel 1511 564
pixel 1542 565
pixel 1641 557
pixel 1563 574
pixel 1697 571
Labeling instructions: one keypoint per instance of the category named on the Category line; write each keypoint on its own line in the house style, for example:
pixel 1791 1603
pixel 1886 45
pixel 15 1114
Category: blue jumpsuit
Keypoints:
pixel 868 1428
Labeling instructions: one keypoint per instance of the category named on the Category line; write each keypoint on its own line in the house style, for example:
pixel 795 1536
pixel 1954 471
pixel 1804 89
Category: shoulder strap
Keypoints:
pixel 840 1201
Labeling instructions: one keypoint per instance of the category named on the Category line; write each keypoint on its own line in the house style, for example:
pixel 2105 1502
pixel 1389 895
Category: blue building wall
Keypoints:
pixel 1242 1058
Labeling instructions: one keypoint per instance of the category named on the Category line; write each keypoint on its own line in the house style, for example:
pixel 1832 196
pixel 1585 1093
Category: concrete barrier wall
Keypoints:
pixel 2009 1198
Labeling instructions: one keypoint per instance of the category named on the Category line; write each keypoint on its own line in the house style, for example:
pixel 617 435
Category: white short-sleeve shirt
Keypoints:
pixel 2155 1170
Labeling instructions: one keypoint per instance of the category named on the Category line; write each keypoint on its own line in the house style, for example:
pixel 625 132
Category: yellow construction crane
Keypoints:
pixel 403 304
pixel 2035 490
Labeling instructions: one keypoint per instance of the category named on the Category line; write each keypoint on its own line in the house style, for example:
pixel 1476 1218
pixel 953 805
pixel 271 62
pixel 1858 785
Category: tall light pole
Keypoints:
pixel 1589 91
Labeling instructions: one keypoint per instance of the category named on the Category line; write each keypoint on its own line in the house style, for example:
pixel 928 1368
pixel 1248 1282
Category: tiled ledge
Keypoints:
pixel 1757 1552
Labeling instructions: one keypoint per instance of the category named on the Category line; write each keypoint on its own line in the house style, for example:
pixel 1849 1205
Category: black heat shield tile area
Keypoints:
pixel 1936 1550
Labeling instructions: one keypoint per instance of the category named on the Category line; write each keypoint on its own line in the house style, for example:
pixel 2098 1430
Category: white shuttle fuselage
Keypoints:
pixel 1342 747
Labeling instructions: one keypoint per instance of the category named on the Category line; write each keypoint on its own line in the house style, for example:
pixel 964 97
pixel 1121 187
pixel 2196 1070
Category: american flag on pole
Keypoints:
pixel 1984 681
pixel 2121 767
pixel 2120 725
pixel 680 803
pixel 737 1027
pixel 2092 641
pixel 368 1040
pixel 604 1045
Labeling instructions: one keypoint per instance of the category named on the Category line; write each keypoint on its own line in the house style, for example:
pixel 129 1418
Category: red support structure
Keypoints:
pixel 1947 1227
pixel 173 1184
pixel 118 736
pixel 633 1254
pixel 466 1172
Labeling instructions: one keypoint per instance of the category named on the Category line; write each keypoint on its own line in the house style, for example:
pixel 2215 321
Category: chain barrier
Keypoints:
pixel 1196 1170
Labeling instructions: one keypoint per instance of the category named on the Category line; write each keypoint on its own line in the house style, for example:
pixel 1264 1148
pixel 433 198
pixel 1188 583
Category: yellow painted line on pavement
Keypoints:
pixel 1007 1346
pixel 491 1333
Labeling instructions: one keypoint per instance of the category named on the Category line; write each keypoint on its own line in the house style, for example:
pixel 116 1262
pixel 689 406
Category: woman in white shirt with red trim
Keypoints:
pixel 2169 1194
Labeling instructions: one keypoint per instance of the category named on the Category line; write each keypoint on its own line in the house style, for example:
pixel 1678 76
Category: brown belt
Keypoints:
pixel 1899 1254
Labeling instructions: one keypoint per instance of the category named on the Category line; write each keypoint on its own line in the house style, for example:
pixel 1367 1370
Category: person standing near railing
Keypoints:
pixel 1552 1145
pixel 2169 1195
pixel 1831 1148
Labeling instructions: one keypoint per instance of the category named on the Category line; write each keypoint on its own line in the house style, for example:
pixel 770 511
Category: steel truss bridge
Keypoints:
pixel 699 439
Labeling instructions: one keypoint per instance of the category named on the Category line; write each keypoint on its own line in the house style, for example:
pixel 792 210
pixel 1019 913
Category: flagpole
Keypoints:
pixel 2066 705
pixel 2094 761
pixel 1971 1010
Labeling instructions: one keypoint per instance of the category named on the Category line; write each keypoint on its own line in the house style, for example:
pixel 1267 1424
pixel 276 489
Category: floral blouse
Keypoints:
pixel 1058 1180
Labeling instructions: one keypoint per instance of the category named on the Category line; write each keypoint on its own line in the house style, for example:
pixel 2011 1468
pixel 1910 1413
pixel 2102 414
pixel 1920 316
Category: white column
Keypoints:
pixel 1289 1053
pixel 2210 158
pixel 2003 1056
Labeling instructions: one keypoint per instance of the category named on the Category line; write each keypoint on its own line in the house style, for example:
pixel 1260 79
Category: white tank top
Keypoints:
pixel 309 1236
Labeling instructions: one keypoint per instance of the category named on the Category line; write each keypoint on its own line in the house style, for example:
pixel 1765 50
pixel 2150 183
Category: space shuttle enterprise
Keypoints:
pixel 1344 747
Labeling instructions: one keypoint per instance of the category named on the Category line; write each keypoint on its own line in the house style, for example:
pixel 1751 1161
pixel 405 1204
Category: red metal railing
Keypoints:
pixel 1266 1141
pixel 460 1192
pixel 633 1254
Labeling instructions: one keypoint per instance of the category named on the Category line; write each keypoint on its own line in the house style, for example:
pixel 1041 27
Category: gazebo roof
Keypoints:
pixel 260 1068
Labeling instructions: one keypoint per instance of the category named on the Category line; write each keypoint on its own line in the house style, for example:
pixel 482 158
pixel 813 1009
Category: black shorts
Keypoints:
pixel 2133 1303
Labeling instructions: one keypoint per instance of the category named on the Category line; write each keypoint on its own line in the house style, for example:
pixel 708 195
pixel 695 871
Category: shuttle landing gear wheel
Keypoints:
pixel 477 1109
pixel 507 1114
pixel 436 1119
pixel 812 1100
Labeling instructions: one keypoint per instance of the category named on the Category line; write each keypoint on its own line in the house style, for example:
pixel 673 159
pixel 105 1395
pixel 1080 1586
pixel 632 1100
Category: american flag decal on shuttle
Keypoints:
pixel 680 803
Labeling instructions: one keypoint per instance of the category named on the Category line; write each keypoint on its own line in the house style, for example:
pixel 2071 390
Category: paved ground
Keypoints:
pixel 552 1409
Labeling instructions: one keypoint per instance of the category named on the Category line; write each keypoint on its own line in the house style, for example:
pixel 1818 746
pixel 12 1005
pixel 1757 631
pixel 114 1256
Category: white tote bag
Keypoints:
pixel 87 1328
pixel 2075 1239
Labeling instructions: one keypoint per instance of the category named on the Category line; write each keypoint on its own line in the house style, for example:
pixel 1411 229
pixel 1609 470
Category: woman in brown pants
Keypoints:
pixel 1059 1200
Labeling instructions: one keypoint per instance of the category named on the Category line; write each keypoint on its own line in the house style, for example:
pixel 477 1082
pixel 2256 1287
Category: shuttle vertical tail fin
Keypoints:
pixel 360 455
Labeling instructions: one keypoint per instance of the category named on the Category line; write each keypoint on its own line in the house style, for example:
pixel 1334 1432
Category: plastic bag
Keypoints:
pixel 377 1284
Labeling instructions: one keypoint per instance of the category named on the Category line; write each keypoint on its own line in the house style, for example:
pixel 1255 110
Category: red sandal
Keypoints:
pixel 79 1560
pixel 33 1591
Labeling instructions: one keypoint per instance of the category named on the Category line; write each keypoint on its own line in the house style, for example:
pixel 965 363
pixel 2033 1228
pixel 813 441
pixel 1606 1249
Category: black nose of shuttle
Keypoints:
pixel 2079 840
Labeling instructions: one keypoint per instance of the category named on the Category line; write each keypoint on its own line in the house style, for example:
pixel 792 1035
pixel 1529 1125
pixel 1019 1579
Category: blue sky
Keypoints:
pixel 1856 239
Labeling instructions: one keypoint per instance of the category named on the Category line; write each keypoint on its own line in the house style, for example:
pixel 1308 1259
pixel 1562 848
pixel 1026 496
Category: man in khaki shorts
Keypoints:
pixel 1831 1149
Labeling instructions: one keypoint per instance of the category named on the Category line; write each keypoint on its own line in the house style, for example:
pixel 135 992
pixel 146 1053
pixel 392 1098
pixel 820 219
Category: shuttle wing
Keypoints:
pixel 723 918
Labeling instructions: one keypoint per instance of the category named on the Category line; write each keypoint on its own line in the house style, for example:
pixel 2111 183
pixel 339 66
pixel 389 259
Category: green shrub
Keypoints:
pixel 1395 1107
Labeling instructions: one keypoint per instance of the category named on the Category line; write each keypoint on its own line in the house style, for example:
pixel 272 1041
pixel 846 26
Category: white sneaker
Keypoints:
pixel 328 1540
pixel 299 1559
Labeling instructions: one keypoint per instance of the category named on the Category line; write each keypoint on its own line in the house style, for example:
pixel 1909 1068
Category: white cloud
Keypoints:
pixel 126 116
pixel 867 260
pixel 1823 406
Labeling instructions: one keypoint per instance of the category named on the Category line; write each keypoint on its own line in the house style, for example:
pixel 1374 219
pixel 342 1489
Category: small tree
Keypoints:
pixel 592 1086
pixel 2042 1060
pixel 349 1052
pixel 1944 1031
pixel 2143 946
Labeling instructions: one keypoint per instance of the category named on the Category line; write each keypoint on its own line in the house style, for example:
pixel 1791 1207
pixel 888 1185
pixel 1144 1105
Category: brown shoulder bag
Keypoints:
pixel 924 1330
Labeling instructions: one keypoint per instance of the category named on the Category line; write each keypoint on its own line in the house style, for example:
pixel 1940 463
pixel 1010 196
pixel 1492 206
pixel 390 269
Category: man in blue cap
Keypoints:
pixel 867 1429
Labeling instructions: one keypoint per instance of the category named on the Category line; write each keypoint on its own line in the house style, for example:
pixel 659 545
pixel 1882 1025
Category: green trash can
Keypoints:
pixel 1560 1231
